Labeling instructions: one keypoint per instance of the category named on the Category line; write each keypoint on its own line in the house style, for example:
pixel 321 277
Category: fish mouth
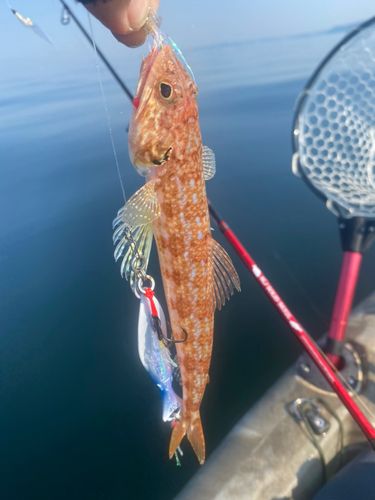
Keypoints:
pixel 163 158
pixel 146 169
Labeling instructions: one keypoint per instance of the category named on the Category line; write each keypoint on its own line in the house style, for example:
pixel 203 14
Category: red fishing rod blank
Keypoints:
pixel 303 337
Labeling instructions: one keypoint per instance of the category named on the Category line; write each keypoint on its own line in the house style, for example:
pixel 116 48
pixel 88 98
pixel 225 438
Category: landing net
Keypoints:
pixel 334 128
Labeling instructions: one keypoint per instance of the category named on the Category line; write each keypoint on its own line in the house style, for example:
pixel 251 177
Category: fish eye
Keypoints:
pixel 165 90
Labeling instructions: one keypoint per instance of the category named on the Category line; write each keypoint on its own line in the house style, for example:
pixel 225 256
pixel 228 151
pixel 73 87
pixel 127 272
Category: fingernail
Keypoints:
pixel 137 13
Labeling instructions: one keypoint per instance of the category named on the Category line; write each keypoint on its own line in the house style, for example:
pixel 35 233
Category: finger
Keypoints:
pixel 124 18
pixel 112 14
pixel 137 14
pixel 134 39
pixel 154 4
pixel 138 11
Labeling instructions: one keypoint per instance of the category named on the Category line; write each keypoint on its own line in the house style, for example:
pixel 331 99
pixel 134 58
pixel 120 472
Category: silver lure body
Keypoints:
pixel 156 358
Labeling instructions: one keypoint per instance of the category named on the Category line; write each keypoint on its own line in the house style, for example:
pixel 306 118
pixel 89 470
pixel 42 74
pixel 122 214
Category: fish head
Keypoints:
pixel 164 100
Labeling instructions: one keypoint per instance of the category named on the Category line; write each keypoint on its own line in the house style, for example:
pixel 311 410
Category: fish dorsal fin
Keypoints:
pixel 225 277
pixel 142 236
pixel 143 207
pixel 209 163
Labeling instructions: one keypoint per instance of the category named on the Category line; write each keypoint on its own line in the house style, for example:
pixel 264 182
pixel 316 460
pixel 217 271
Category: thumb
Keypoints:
pixel 137 13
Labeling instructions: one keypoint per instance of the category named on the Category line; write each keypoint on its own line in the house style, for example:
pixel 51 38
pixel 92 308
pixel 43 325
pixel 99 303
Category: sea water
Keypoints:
pixel 79 418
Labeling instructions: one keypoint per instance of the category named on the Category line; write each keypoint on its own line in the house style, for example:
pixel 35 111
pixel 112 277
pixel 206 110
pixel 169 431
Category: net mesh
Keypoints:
pixel 336 127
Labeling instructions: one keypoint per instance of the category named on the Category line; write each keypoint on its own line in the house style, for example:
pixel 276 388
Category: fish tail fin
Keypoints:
pixel 179 431
pixel 194 433
pixel 196 437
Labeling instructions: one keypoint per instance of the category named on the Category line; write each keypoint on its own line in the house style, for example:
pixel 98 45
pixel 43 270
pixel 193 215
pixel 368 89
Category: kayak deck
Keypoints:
pixel 268 455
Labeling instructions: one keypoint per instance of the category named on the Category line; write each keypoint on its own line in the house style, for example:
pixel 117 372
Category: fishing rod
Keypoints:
pixel 99 52
pixel 301 334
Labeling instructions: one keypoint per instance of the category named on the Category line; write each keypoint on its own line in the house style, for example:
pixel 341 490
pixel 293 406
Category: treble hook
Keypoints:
pixel 168 342
pixel 65 17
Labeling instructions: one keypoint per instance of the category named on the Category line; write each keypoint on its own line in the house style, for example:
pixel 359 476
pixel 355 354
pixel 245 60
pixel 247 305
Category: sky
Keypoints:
pixel 24 57
pixel 196 22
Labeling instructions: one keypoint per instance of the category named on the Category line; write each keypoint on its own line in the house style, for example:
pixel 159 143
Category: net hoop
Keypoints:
pixel 334 126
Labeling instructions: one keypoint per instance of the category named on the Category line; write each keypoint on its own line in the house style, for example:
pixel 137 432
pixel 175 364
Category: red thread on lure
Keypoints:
pixel 149 295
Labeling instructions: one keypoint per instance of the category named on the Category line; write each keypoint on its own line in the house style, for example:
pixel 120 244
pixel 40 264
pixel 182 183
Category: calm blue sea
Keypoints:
pixel 79 417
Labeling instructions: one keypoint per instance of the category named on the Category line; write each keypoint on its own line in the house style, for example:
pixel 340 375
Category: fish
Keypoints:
pixel 154 355
pixel 198 276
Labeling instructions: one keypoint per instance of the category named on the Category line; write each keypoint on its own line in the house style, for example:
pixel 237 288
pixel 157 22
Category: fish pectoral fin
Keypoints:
pixel 209 163
pixel 138 214
pixel 142 236
pixel 143 207
pixel 225 276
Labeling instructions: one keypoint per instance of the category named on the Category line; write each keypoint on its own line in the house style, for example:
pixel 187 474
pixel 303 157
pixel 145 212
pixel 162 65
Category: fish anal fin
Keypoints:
pixel 225 277
pixel 196 437
pixel 179 431
pixel 143 207
pixel 209 163
pixel 207 379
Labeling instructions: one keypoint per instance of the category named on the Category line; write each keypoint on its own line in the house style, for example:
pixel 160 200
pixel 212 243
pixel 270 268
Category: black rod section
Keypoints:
pixel 357 234
pixel 100 53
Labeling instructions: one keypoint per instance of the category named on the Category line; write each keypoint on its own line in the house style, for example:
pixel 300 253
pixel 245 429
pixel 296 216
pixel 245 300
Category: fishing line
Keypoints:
pixel 355 396
pixel 106 107
pixel 272 245
pixel 313 306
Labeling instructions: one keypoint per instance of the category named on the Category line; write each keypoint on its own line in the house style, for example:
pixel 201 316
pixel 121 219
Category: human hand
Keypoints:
pixel 125 18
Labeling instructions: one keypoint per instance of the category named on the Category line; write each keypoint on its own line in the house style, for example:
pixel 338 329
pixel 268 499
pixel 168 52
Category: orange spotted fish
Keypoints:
pixel 165 145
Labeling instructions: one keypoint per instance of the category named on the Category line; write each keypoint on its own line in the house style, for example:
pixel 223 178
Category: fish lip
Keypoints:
pixel 143 169
pixel 163 158
pixel 146 169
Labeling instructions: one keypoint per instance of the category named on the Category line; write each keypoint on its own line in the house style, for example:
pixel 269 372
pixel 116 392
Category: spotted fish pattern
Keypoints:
pixel 165 145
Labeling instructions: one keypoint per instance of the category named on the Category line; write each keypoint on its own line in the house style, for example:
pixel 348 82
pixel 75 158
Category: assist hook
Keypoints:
pixel 168 342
